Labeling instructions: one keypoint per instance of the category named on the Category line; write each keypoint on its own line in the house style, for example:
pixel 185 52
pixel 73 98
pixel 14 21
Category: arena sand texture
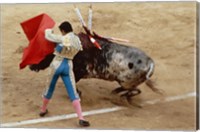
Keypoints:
pixel 166 31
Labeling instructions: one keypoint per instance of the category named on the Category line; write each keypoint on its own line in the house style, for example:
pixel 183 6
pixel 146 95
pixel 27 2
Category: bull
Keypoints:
pixel 129 66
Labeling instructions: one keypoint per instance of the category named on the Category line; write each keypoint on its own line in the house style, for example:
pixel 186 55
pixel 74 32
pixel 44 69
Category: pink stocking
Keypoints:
pixel 77 107
pixel 45 103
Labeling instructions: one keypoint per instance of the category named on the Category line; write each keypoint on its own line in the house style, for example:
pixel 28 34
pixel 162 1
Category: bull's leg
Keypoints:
pixel 126 96
pixel 131 94
pixel 123 96
pixel 119 90
pixel 126 93
pixel 117 98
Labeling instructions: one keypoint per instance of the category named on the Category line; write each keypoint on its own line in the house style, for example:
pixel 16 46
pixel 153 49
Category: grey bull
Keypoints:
pixel 129 66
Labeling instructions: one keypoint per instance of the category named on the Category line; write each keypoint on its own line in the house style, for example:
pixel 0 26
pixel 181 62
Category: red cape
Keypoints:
pixel 38 47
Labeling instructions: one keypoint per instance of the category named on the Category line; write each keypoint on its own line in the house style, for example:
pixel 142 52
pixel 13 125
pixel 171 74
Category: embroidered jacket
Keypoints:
pixel 70 43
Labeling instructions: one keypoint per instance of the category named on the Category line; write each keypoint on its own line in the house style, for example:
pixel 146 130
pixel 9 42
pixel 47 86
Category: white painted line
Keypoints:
pixel 94 112
pixel 169 99
pixel 61 117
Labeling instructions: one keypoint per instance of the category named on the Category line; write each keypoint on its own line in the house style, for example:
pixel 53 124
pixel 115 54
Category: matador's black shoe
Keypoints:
pixel 42 114
pixel 84 123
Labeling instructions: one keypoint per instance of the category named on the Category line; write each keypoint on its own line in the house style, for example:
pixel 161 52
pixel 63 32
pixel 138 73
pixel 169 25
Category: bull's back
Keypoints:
pixel 115 62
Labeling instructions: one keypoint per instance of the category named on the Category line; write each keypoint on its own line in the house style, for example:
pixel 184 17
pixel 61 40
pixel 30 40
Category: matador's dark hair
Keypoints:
pixel 66 27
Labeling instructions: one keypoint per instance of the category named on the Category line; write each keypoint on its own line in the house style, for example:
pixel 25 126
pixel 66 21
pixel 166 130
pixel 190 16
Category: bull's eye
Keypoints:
pixel 139 61
pixel 130 65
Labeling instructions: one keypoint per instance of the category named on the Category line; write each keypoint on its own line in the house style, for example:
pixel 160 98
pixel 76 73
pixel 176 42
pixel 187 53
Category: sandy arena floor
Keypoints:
pixel 164 30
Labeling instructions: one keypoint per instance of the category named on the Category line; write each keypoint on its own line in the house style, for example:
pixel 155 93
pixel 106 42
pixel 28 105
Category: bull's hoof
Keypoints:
pixel 123 97
pixel 118 90
pixel 133 92
pixel 128 101
pixel 124 92
pixel 118 100
pixel 132 103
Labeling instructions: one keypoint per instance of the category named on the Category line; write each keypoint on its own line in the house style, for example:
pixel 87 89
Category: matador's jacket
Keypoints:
pixel 67 47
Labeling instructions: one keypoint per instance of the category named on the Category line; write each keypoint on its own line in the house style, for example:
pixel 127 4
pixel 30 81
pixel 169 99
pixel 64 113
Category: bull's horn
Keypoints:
pixel 150 71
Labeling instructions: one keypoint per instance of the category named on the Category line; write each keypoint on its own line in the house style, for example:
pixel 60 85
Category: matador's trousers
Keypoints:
pixel 61 67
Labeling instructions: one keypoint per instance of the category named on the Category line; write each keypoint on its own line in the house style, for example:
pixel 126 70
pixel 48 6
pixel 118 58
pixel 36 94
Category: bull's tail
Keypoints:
pixel 151 85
